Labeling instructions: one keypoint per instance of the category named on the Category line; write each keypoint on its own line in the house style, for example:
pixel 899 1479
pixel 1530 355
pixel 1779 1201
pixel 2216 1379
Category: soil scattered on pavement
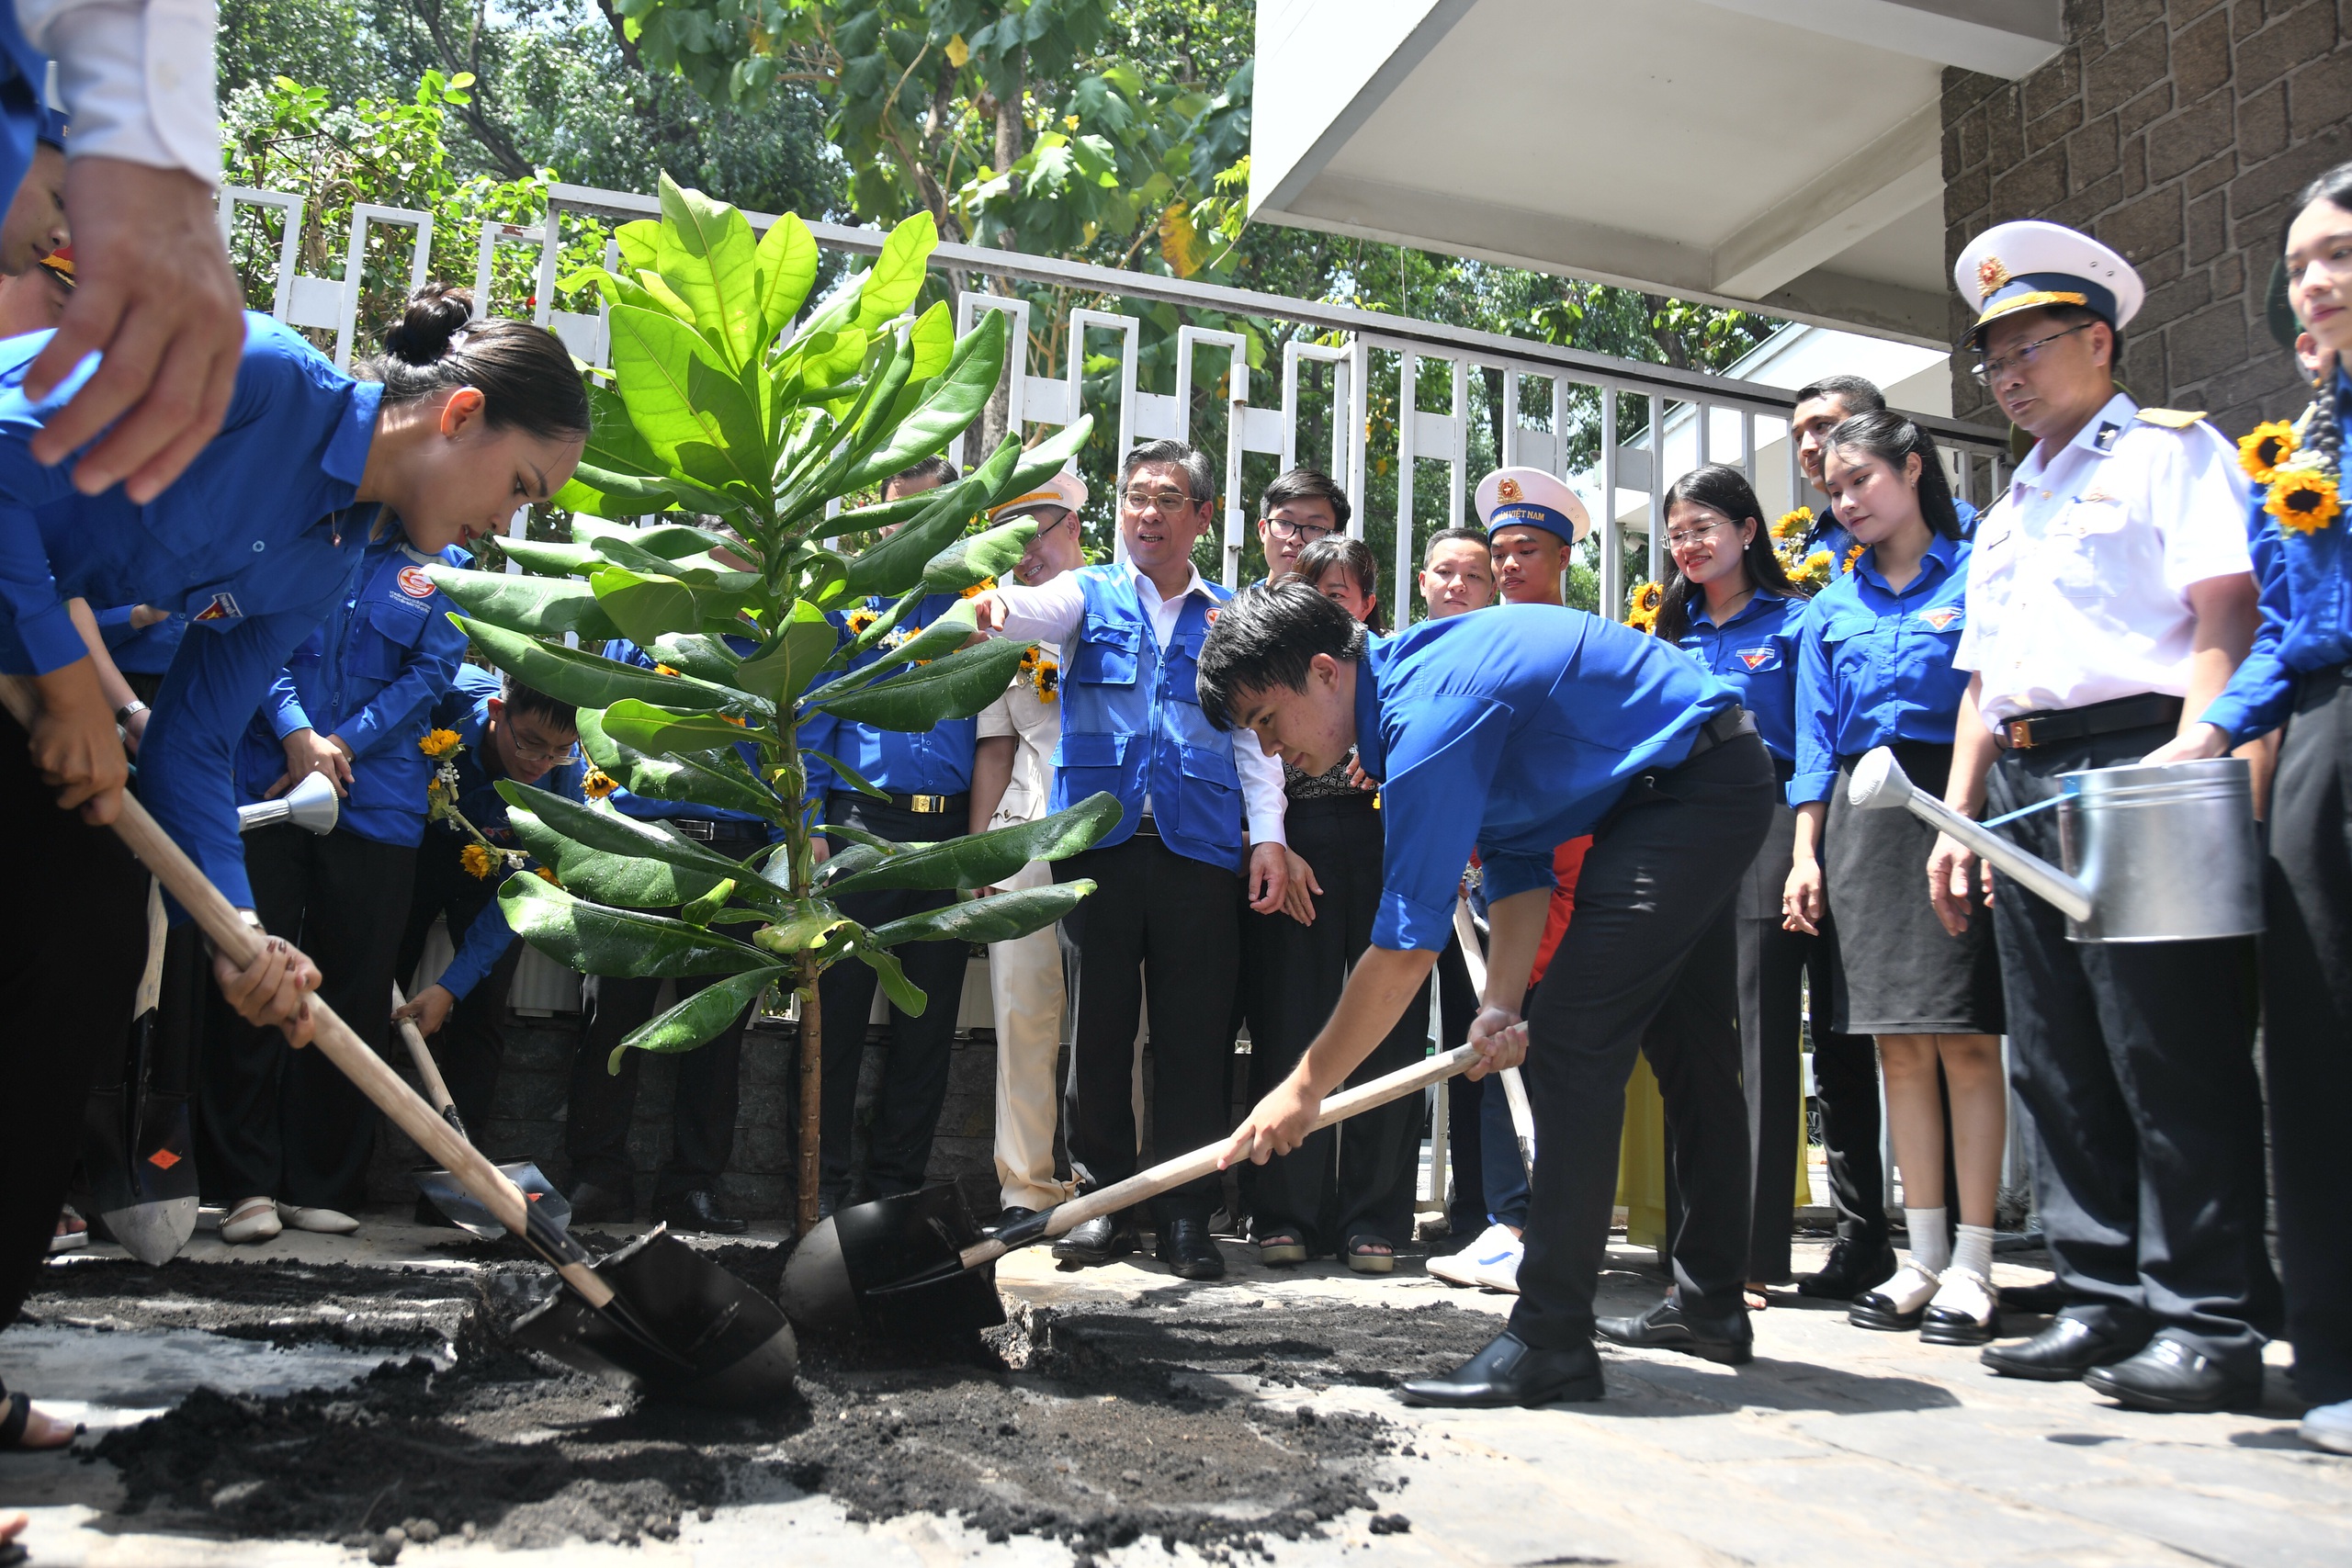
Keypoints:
pixel 1095 1426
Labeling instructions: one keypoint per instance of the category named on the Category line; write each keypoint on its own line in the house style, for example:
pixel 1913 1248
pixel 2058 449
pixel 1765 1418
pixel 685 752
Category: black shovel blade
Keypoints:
pixel 681 1327
pixel 105 1150
pixel 468 1213
pixel 893 1267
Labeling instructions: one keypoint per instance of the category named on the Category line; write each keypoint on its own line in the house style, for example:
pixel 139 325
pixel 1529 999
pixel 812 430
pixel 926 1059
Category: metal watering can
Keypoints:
pixel 2164 853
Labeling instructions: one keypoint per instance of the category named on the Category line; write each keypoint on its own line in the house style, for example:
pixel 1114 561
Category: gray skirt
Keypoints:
pixel 1893 968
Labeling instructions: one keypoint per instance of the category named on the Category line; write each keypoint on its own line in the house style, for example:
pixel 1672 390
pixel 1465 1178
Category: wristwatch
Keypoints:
pixel 122 715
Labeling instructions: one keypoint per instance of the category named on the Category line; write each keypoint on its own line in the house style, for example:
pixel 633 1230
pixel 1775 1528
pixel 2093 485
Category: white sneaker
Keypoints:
pixel 1502 1273
pixel 1494 1245
pixel 254 1219
pixel 2328 1426
pixel 324 1222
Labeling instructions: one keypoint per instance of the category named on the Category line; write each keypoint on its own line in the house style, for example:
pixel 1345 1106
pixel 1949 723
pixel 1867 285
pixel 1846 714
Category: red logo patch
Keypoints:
pixel 1753 658
pixel 1941 616
pixel 415 583
pixel 222 608
pixel 1212 618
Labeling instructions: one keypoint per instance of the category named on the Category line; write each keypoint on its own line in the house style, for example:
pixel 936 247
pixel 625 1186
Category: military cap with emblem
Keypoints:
pixel 1064 490
pixel 2032 265
pixel 1530 498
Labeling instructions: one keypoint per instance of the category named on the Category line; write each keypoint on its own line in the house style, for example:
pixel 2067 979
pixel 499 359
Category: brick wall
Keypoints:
pixel 2177 133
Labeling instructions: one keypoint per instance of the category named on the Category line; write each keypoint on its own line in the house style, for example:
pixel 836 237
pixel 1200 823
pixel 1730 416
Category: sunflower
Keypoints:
pixel 1854 555
pixel 985 585
pixel 1045 674
pixel 477 861
pixel 861 619
pixel 663 670
pixel 438 743
pixel 1793 525
pixel 2304 503
pixel 597 784
pixel 2261 452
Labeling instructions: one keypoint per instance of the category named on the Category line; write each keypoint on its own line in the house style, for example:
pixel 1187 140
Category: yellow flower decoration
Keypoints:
pixel 861 619
pixel 477 861
pixel 2303 502
pixel 2261 451
pixel 1642 615
pixel 1854 555
pixel 663 670
pixel 549 877
pixel 1044 675
pixel 438 743
pixel 598 783
pixel 1793 525
pixel 985 585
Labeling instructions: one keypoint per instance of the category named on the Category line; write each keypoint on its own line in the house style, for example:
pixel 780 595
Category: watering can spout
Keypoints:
pixel 1879 783
pixel 311 805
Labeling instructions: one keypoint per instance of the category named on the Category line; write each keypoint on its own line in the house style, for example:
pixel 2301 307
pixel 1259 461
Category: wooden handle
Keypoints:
pixel 186 881
pixel 1174 1173
pixel 1522 1116
pixel 427 1069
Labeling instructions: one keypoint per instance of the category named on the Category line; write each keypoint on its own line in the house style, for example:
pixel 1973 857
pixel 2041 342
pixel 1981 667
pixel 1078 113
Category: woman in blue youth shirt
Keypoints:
pixel 2298 677
pixel 257 542
pixel 1874 669
pixel 1731 606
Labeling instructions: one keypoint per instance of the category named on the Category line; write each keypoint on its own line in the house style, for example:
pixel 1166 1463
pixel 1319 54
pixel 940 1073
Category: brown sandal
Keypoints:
pixel 1365 1262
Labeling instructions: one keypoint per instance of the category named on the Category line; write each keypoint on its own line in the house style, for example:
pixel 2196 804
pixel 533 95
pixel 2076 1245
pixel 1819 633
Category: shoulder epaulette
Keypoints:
pixel 2173 419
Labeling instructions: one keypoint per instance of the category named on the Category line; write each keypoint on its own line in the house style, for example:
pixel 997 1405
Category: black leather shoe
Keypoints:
pixel 2173 1377
pixel 591 1203
pixel 1851 1269
pixel 1511 1371
pixel 1666 1327
pixel 698 1211
pixel 1190 1252
pixel 2060 1353
pixel 1098 1240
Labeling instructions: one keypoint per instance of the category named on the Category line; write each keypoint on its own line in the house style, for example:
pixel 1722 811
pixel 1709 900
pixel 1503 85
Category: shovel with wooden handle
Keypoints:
pixel 655 1315
pixel 1522 1115
pixel 915 1265
pixel 444 1189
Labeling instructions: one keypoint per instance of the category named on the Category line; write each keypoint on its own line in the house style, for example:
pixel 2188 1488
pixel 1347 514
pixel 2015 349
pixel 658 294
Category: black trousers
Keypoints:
pixel 704 1103
pixel 288 1125
pixel 75 940
pixel 1772 999
pixel 472 1042
pixel 1457 1005
pixel 2307 1030
pixel 1650 963
pixel 2136 1060
pixel 1153 914
pixel 1355 1180
pixel 914 1078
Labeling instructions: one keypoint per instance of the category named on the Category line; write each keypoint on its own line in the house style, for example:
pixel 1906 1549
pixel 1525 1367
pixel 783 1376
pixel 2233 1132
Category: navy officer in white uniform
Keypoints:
pixel 2109 594
pixel 1512 731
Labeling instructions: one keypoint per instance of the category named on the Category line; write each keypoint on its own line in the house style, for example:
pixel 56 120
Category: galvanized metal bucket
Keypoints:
pixel 2168 852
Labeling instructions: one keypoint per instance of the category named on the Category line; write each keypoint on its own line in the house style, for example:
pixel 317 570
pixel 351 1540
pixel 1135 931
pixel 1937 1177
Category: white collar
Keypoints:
pixel 1195 585
pixel 2097 437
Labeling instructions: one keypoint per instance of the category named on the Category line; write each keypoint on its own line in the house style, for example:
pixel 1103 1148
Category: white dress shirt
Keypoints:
pixel 136 75
pixel 1051 612
pixel 2078 582
pixel 1036 725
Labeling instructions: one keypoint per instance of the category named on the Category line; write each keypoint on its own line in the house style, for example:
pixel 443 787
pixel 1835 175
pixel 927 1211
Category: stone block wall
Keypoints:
pixel 2176 132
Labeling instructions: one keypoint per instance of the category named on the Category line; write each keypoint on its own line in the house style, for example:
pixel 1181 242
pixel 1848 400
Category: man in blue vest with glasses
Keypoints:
pixel 1203 810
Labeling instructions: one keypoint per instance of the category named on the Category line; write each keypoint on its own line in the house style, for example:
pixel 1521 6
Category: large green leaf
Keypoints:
pixel 621 547
pixel 699 1019
pixel 897 272
pixel 698 653
pixel 542 606
pixel 998 919
pixel 664 541
pixel 807 924
pixel 595 940
pixel 952 405
pixel 787 267
pixel 685 401
pixel 547 561
pixel 956 625
pixel 904 994
pixel 933 342
pixel 985 860
pixel 784 672
pixel 979 557
pixel 668 732
pixel 586 680
pixel 644 607
pixel 895 564
pixel 615 834
pixel 691 780
pixel 956 686
pixel 706 253
pixel 639 244
pixel 846 773
pixel 600 492
pixel 632 882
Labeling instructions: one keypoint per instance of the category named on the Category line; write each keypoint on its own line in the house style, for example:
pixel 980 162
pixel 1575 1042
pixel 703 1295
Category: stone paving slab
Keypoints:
pixel 1835 1446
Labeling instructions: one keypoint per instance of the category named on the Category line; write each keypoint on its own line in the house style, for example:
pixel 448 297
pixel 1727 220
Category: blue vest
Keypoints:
pixel 24 71
pixel 1132 723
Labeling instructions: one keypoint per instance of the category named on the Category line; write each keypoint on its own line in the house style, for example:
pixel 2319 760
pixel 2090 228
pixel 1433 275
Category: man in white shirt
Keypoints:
pixel 2109 591
pixel 1202 816
pixel 1012 773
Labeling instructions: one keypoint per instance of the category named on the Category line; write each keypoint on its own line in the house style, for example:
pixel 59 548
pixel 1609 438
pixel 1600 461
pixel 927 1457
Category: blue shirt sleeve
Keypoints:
pixel 1443 755
pixel 425 674
pixel 284 706
pixel 1816 708
pixel 2262 689
pixel 29 593
pixel 486 941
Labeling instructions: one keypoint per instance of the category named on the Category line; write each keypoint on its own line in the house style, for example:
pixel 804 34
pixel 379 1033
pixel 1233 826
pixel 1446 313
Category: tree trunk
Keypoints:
pixel 1009 125
pixel 813 1094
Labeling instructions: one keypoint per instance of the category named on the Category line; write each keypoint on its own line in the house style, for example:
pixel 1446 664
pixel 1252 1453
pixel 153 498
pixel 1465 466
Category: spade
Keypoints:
pixel 447 1194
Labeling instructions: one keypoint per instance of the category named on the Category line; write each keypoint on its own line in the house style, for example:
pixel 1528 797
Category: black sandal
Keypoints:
pixel 17 1416
pixel 1367 1262
pixel 1281 1248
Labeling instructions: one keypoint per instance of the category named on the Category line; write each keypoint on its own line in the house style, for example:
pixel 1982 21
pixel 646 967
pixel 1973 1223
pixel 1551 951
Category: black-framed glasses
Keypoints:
pixel 1992 370
pixel 1291 528
pixel 1166 500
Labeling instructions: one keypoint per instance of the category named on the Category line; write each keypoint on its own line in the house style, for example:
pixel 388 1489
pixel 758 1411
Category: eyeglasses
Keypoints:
pixel 1144 499
pixel 1993 370
pixel 524 753
pixel 1290 528
pixel 1692 536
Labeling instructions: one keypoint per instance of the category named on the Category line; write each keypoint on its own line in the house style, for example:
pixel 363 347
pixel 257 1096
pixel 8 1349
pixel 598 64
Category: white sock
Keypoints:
pixel 1930 1241
pixel 1973 1251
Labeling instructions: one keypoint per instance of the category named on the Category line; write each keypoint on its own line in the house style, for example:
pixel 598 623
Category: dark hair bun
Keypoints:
pixel 436 314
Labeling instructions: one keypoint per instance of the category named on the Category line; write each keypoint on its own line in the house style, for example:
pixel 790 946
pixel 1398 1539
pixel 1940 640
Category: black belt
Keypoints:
pixel 711 830
pixel 2145 711
pixel 1725 726
pixel 924 805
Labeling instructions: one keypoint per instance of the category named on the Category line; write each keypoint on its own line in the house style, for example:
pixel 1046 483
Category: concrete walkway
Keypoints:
pixel 1835 1447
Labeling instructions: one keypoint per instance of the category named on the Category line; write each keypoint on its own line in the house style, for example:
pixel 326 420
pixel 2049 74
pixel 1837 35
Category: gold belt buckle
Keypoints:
pixel 2021 734
pixel 933 803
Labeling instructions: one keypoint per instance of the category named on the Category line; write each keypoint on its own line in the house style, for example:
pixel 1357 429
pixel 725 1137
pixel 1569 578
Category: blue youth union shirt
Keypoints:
pixel 1874 665
pixel 622 651
pixel 1511 732
pixel 1756 653
pixel 255 543
pixel 934 761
